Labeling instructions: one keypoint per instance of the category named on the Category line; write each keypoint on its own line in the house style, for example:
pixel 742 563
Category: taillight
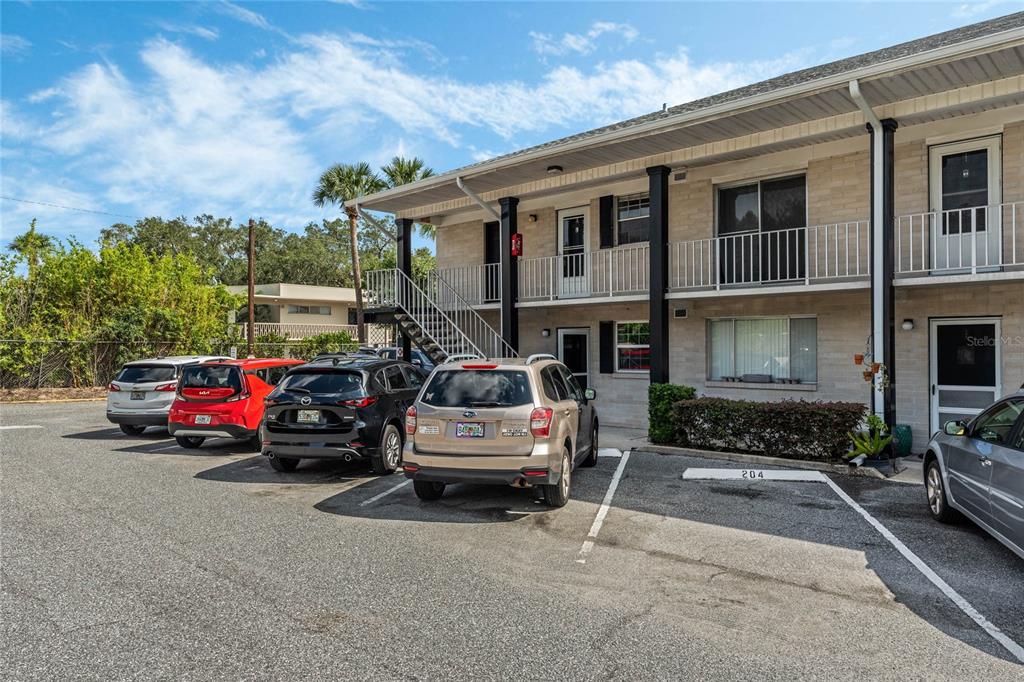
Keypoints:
pixel 113 387
pixel 479 366
pixel 359 402
pixel 167 387
pixel 540 422
pixel 410 420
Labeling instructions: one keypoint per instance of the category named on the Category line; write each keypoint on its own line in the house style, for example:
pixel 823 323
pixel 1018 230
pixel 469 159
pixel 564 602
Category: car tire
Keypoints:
pixel 557 495
pixel 131 429
pixel 935 494
pixel 190 442
pixel 428 490
pixel 591 458
pixel 283 464
pixel 389 454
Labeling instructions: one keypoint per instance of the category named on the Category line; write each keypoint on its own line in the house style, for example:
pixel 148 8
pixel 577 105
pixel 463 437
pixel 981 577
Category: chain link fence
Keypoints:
pixel 29 363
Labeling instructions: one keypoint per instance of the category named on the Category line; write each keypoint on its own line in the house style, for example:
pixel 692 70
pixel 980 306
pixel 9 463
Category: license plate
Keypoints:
pixel 469 430
pixel 202 419
pixel 138 395
pixel 308 416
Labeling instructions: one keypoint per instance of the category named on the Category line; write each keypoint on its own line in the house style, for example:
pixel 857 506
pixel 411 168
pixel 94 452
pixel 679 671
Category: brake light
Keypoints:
pixel 167 387
pixel 410 420
pixel 410 468
pixel 359 402
pixel 113 387
pixel 479 366
pixel 535 472
pixel 540 422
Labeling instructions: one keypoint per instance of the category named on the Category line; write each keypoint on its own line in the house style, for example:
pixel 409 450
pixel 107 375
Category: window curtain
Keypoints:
pixel 762 347
pixel 803 341
pixel 721 349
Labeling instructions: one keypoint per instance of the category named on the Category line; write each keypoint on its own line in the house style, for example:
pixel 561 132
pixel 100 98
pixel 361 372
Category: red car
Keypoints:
pixel 224 399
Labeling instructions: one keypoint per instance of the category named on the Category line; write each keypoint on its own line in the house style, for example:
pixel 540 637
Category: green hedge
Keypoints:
pixel 660 399
pixel 328 342
pixel 795 429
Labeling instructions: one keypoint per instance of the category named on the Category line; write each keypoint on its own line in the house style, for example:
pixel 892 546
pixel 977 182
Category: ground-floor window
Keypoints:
pixel 632 346
pixel 759 349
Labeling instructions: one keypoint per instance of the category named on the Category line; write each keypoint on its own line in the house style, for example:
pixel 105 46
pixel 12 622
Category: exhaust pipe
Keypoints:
pixel 521 482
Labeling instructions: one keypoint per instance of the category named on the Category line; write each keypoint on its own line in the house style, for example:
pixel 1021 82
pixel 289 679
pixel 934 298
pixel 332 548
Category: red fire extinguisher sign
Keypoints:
pixel 517 244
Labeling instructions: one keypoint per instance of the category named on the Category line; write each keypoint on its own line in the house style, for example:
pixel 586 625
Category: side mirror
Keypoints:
pixel 954 428
pixel 590 394
pixel 417 362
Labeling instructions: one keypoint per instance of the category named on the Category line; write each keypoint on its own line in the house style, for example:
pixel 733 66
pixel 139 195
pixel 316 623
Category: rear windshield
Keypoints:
pixel 138 374
pixel 323 382
pixel 212 376
pixel 478 388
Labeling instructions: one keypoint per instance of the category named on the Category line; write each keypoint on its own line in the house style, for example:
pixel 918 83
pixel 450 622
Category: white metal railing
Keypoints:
pixel 797 255
pixel 608 272
pixel 299 330
pixel 441 313
pixel 477 284
pixel 960 240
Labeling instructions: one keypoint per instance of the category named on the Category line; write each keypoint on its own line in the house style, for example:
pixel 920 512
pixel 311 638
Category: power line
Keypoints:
pixel 70 208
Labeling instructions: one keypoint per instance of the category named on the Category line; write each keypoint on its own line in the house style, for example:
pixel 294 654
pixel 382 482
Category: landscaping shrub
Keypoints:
pixel 329 342
pixel 795 429
pixel 660 399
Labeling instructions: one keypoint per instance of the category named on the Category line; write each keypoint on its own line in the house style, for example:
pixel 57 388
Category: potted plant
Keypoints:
pixel 873 442
pixel 858 358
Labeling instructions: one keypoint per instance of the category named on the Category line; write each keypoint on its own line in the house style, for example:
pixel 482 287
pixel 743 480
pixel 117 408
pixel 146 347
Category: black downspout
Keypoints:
pixel 404 238
pixel 509 272
pixel 889 126
pixel 658 192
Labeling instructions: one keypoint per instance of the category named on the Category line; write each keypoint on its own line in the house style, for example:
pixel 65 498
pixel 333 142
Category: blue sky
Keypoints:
pixel 155 108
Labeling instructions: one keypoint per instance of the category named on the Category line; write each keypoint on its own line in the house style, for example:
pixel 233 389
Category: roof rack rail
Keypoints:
pixel 463 356
pixel 539 356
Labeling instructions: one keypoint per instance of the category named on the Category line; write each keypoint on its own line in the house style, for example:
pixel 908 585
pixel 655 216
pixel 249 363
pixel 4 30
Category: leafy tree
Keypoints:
pixel 338 184
pixel 31 247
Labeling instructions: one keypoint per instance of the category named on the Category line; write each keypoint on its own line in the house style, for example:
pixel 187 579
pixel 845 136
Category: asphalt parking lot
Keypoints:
pixel 130 557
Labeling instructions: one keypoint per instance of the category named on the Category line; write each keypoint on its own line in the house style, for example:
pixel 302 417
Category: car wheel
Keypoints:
pixel 936 492
pixel 558 494
pixel 132 429
pixel 284 463
pixel 389 454
pixel 189 442
pixel 591 459
pixel 428 490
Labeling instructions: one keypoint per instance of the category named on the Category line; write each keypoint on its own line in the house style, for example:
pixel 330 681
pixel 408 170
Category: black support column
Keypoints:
pixel 509 272
pixel 658 182
pixel 883 238
pixel 404 239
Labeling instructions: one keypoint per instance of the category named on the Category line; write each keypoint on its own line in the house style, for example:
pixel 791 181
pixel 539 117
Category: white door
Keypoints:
pixel 571 265
pixel 574 352
pixel 965 362
pixel 965 197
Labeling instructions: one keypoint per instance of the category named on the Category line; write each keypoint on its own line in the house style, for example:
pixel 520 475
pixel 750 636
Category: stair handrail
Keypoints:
pixel 401 277
pixel 507 350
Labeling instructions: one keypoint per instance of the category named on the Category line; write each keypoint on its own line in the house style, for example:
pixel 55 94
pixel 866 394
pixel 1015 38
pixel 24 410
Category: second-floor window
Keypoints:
pixel 633 219
pixel 309 309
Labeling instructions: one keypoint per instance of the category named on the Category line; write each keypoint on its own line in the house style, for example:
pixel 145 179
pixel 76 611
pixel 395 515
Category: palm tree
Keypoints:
pixel 31 246
pixel 338 184
pixel 402 171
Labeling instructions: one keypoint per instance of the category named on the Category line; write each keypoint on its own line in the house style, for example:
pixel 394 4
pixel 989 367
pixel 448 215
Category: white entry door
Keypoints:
pixel 965 361
pixel 574 352
pixel 571 267
pixel 965 197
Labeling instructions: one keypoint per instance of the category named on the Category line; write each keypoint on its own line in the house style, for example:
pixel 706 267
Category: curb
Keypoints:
pixel 55 400
pixel 866 472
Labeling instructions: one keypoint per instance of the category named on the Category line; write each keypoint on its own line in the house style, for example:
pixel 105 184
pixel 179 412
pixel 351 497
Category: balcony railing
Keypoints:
pixel 960 241
pixel 476 284
pixel 803 255
pixel 606 273
pixel 299 330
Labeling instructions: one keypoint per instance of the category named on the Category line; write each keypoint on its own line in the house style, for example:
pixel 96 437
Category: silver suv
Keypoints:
pixel 524 423
pixel 142 393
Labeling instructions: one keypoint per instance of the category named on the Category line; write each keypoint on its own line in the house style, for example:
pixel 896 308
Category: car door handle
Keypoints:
pixel 985 461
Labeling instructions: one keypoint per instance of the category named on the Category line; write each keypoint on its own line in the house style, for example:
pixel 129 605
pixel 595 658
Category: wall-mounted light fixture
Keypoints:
pixel 545 333
pixel 532 217
pixel 554 170
pixel 908 325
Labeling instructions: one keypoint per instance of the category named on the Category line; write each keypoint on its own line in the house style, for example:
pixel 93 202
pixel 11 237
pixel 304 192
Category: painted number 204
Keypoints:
pixel 752 473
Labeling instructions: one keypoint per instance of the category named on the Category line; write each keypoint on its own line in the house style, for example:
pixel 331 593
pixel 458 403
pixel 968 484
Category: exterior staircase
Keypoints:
pixel 437 319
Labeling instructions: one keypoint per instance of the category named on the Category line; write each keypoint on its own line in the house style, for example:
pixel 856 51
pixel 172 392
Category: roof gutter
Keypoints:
pixel 476 198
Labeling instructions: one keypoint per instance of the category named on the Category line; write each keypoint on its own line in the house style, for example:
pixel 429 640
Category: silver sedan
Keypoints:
pixel 976 468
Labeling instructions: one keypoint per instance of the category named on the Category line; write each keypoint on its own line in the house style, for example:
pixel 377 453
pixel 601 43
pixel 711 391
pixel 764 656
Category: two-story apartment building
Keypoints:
pixel 752 243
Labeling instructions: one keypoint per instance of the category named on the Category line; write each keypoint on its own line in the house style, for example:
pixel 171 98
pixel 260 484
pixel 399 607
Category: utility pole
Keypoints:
pixel 251 331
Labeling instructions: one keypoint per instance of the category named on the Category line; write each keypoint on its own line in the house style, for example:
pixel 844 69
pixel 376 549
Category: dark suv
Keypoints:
pixel 348 408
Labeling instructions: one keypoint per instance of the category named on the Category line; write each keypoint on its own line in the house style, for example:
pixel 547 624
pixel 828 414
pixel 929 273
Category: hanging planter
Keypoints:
pixel 867 375
pixel 875 366
pixel 858 359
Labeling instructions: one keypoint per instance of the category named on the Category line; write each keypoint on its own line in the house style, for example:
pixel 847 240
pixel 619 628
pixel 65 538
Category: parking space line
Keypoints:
pixel 166 447
pixel 19 426
pixel 954 596
pixel 609 452
pixel 386 492
pixel 595 528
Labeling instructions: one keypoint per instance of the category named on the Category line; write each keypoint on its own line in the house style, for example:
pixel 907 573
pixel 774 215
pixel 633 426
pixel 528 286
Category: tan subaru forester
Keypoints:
pixel 523 422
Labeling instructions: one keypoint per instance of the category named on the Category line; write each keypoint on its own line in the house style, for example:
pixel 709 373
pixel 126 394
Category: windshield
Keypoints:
pixel 322 382
pixel 212 376
pixel 478 388
pixel 139 374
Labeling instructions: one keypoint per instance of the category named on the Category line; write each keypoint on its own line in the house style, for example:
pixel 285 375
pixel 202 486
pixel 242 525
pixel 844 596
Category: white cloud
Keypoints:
pixel 970 10
pixel 242 14
pixel 580 43
pixel 14 46
pixel 189 29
